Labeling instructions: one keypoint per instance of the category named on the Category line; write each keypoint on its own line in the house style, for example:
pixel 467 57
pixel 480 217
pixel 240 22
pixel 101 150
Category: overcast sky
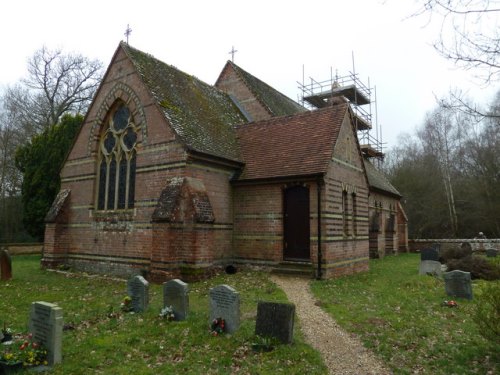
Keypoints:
pixel 275 39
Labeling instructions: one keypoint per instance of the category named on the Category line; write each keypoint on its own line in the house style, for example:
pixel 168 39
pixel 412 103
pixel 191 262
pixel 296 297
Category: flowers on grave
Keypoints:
pixel 450 303
pixel 6 333
pixel 24 350
pixel 167 313
pixel 217 327
pixel 126 304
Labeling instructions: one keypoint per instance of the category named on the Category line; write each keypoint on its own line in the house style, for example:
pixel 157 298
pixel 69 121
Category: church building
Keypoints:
pixel 172 177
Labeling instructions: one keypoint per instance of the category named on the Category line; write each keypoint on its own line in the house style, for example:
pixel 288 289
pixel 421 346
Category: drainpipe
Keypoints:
pixel 318 185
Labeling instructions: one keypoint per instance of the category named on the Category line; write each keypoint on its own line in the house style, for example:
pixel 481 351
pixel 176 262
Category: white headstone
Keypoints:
pixel 225 304
pixel 46 325
pixel 430 267
pixel 175 294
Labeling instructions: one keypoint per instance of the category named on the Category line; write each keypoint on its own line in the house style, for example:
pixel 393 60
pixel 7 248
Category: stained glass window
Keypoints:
pixel 117 157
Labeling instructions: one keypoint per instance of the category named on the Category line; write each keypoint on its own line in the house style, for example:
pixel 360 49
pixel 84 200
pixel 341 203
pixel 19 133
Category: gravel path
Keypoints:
pixel 341 352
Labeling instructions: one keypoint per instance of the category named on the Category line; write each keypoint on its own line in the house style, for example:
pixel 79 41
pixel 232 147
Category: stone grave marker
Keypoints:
pixel 458 284
pixel 429 253
pixel 138 291
pixel 467 247
pixel 5 265
pixel 436 246
pixel 225 304
pixel 175 294
pixel 46 325
pixel 275 320
pixel 491 253
pixel 430 267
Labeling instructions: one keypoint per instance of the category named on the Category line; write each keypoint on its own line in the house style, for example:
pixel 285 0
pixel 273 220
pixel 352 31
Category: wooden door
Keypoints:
pixel 296 223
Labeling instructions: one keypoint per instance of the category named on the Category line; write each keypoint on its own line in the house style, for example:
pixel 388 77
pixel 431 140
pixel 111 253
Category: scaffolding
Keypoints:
pixel 348 89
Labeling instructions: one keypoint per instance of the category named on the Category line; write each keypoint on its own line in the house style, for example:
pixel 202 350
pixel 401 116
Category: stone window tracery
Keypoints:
pixel 117 161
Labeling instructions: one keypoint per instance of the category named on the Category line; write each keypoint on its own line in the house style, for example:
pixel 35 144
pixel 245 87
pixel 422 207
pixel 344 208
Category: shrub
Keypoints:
pixel 455 253
pixel 487 311
pixel 478 266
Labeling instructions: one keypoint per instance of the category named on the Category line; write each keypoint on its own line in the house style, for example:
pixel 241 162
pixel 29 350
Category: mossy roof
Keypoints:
pixel 275 102
pixel 377 180
pixel 201 115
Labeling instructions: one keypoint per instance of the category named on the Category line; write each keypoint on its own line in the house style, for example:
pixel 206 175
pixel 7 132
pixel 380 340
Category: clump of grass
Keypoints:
pixel 399 314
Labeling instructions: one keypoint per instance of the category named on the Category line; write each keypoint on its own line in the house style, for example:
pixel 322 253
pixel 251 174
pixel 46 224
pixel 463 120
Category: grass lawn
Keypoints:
pixel 143 343
pixel 398 314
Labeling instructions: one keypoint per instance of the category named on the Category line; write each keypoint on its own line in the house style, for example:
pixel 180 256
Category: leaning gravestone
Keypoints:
pixel 430 267
pixel 175 294
pixel 458 284
pixel 225 304
pixel 138 291
pixel 491 253
pixel 5 265
pixel 429 254
pixel 46 325
pixel 275 320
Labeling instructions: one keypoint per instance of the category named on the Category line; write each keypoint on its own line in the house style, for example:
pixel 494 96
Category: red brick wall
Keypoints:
pixel 231 83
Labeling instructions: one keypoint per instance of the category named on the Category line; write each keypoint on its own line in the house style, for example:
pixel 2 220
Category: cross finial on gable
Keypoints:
pixel 128 31
pixel 232 52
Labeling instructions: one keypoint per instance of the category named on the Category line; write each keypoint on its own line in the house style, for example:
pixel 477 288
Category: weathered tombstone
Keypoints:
pixel 5 265
pixel 275 320
pixel 138 291
pixel 175 294
pixel 491 253
pixel 429 254
pixel 458 284
pixel 436 246
pixel 430 267
pixel 225 304
pixel 46 325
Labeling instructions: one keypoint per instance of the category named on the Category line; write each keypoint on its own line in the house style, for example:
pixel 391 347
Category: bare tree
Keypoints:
pixel 56 83
pixel 470 35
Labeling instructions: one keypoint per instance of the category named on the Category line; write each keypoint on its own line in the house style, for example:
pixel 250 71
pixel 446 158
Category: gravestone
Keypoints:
pixel 225 304
pixel 458 284
pixel 436 246
pixel 275 320
pixel 430 267
pixel 175 294
pixel 5 265
pixel 138 291
pixel 491 253
pixel 46 325
pixel 429 253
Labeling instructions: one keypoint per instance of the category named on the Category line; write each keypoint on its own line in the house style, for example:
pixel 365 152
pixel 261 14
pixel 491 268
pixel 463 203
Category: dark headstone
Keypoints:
pixel 436 246
pixel 275 320
pixel 458 284
pixel 46 325
pixel 138 291
pixel 5 265
pixel 175 294
pixel 429 253
pixel 491 253
pixel 225 304
pixel 430 267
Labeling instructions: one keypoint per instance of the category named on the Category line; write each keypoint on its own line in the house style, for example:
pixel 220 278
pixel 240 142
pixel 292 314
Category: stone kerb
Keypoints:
pixel 46 325
pixel 175 294
pixel 225 304
pixel 138 291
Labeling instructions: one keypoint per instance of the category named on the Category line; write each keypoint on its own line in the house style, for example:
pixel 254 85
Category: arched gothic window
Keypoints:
pixel 116 161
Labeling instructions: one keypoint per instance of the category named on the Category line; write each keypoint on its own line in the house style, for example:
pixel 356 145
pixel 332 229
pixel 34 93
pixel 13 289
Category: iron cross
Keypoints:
pixel 128 32
pixel 232 52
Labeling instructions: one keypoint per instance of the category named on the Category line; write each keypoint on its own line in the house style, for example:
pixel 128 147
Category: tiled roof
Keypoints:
pixel 377 180
pixel 295 145
pixel 276 103
pixel 202 116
